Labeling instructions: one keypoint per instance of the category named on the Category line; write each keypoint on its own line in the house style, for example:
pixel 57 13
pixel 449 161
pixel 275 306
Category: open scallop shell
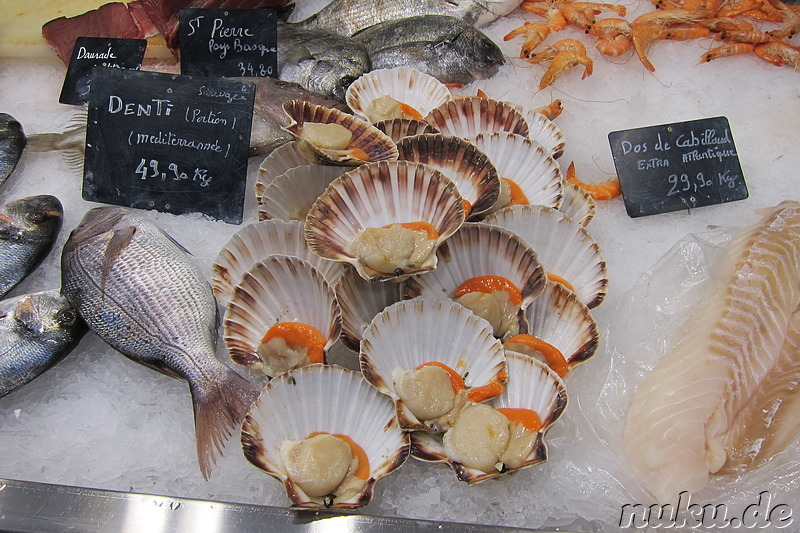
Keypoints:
pixel 400 128
pixel 479 249
pixel 366 137
pixel 543 131
pixel 326 399
pixel 467 117
pixel 410 86
pixel 410 333
pixel 564 247
pixel 466 166
pixel 531 385
pixel 527 164
pixel 258 241
pixel 560 319
pixel 281 159
pixel 278 289
pixel 577 204
pixel 360 300
pixel 376 195
pixel 291 194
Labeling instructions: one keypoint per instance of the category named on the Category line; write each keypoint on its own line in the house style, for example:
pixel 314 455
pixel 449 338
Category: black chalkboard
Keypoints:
pixel 90 52
pixel 168 142
pixel 229 42
pixel 677 166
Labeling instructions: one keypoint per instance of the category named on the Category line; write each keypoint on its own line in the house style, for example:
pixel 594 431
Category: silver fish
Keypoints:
pixel 28 228
pixel 36 331
pixel 444 47
pixel 12 142
pixel 319 60
pixel 351 16
pixel 140 292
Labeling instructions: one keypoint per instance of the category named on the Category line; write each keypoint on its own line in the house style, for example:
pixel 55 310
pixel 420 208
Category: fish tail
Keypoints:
pixel 217 410
pixel 43 142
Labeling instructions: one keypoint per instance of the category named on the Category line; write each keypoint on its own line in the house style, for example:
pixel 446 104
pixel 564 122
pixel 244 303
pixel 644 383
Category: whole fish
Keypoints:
pixel 28 228
pixel 444 47
pixel 351 16
pixel 140 292
pixel 36 331
pixel 319 60
pixel 12 142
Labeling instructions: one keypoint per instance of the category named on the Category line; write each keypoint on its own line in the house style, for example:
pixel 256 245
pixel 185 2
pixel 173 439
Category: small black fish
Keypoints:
pixel 12 142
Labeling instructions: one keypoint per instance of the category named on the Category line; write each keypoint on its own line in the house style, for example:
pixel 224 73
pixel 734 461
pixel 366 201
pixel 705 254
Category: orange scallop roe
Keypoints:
pixel 490 390
pixel 489 284
pixel 419 226
pixel 474 394
pixel 455 378
pixel 358 153
pixel 558 279
pixel 410 111
pixel 517 196
pixel 297 334
pixel 528 418
pixel 467 207
pixel 555 359
pixel 362 470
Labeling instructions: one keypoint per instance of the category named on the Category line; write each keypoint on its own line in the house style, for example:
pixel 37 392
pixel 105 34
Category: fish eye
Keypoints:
pixel 37 216
pixel 66 317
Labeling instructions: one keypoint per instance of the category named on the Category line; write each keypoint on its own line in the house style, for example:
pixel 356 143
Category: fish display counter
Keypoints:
pixel 660 285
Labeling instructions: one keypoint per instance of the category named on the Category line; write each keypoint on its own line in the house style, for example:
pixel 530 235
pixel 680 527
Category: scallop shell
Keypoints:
pixel 531 385
pixel 564 247
pixel 278 289
pixel 400 128
pixel 466 166
pixel 410 86
pixel 560 319
pixel 410 333
pixel 544 131
pixel 281 159
pixel 258 241
pixel 327 399
pixel 378 194
pixel 467 117
pixel 291 194
pixel 527 164
pixel 479 249
pixel 360 300
pixel 577 204
pixel 366 137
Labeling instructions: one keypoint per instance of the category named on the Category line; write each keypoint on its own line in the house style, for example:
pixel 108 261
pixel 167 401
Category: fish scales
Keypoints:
pixel 12 143
pixel 139 291
pixel 683 412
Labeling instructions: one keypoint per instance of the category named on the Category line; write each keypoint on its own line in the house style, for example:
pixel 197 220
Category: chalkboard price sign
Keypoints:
pixel 677 166
pixel 229 42
pixel 168 142
pixel 90 52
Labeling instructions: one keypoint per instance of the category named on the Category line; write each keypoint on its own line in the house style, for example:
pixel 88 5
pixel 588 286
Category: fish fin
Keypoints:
pixel 160 368
pixel 179 245
pixel 119 240
pixel 74 159
pixel 26 313
pixel 218 408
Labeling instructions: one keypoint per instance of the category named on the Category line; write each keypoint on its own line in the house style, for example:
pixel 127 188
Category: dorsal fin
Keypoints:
pixel 119 240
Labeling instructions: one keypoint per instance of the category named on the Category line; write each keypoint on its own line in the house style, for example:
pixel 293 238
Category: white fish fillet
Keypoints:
pixel 685 409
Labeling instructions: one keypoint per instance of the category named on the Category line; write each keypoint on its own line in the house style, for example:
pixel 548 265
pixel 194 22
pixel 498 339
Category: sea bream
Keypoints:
pixel 448 49
pixel 36 331
pixel 28 228
pixel 12 142
pixel 139 291
pixel 351 16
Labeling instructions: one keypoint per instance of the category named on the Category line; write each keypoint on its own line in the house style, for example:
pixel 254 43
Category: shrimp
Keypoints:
pixel 727 50
pixel 598 191
pixel 535 33
pixel 753 37
pixel 550 52
pixel 568 53
pixel 791 20
pixel 727 23
pixel 614 36
pixel 685 32
pixel 779 53
pixel 551 110
pixel 649 27
pixel 582 14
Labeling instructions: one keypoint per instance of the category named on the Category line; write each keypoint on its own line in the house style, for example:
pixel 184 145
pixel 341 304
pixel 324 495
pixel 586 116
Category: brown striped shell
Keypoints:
pixel 400 128
pixel 467 117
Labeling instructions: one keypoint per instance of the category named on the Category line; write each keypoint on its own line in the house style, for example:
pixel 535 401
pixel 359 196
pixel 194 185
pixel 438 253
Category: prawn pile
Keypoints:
pixel 737 24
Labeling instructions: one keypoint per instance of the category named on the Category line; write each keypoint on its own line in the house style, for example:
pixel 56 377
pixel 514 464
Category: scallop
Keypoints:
pixel 577 204
pixel 258 241
pixel 283 158
pixel 543 131
pixel 564 247
pixel 531 385
pixel 377 195
pixel 418 90
pixel 400 128
pixel 466 166
pixel 479 250
pixel 411 333
pixel 279 289
pixel 328 400
pixel 367 140
pixel 290 195
pixel 527 164
pixel 360 300
pixel 467 117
